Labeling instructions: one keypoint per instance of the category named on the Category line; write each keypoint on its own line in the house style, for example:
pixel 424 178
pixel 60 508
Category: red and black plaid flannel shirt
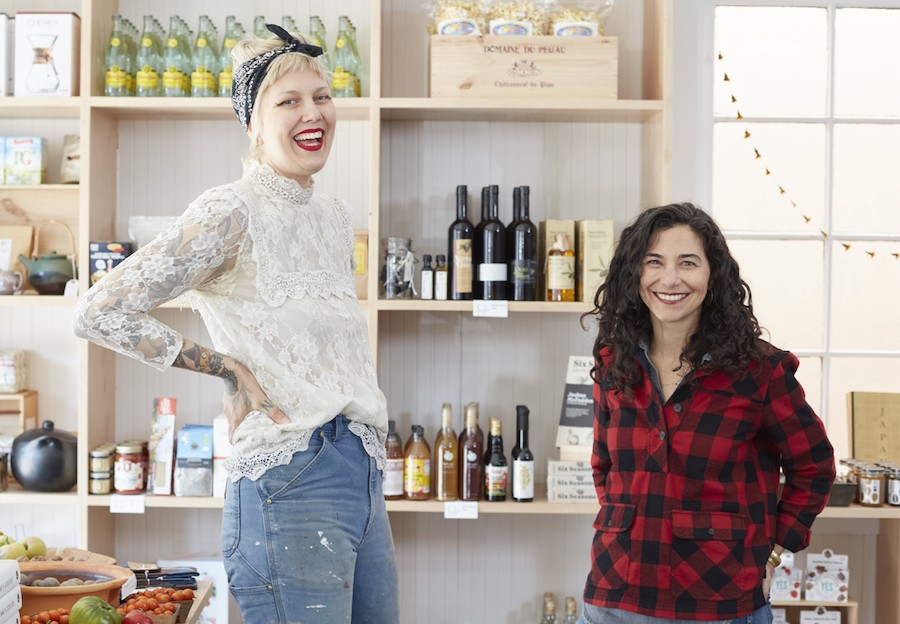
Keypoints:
pixel 689 490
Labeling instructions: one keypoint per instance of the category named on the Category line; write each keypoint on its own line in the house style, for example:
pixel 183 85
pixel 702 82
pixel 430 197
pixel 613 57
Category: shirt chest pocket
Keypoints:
pixel 707 556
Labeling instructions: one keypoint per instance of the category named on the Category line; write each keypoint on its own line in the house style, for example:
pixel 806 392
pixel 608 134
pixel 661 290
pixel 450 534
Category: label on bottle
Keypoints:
pixel 393 477
pixel 146 42
pixel 523 479
pixel 147 78
pixel 340 43
pixel 115 42
pixel 172 42
pixel 492 272
pixel 870 491
pixel 418 476
pixel 340 79
pixel 561 272
pixel 201 43
pixel 202 79
pixel 894 492
pixel 115 77
pixel 428 285
pixel 524 271
pixel 171 78
pixel 128 476
pixel 440 285
pixel 462 263
pixel 226 78
pixel 229 43
pixel 495 480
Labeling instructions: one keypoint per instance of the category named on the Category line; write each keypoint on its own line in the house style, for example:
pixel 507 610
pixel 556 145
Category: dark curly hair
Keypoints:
pixel 727 328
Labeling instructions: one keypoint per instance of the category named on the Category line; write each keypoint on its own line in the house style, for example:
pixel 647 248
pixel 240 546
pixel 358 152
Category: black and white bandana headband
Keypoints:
pixel 250 74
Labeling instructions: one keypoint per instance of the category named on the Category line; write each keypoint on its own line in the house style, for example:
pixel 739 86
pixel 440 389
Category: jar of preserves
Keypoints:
pixel 871 485
pixel 145 455
pixel 893 485
pixel 129 469
pixel 100 482
pixel 101 460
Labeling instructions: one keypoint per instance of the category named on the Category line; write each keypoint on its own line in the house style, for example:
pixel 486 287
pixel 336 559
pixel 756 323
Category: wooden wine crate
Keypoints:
pixel 18 412
pixel 494 66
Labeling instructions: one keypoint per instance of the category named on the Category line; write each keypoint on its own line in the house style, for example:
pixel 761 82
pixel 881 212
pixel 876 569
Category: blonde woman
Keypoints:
pixel 268 264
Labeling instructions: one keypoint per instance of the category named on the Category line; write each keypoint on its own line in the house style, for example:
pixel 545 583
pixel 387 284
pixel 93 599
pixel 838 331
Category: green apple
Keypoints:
pixel 12 551
pixel 34 546
pixel 5 539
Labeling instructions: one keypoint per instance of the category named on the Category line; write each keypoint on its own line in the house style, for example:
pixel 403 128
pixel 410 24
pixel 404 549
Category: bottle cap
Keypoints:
pixel 571 606
pixel 522 417
pixel 462 192
pixel 426 258
pixel 496 427
pixel 392 426
pixel 446 416
pixel 441 258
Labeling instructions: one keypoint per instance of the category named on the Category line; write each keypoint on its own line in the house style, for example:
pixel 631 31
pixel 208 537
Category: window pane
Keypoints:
pixel 745 198
pixel 867 62
pixel 865 298
pixel 775 58
pixel 849 374
pixel 785 278
pixel 866 178
pixel 809 374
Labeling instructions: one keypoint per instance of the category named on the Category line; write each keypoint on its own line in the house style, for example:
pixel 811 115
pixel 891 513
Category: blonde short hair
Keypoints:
pixel 251 47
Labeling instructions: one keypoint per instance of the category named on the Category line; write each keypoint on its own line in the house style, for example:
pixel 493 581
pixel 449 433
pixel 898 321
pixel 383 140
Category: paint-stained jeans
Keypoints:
pixel 310 542
pixel 598 615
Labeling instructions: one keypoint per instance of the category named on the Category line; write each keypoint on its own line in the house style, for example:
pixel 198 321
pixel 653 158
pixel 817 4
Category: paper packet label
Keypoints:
pixel 511 28
pixel 460 26
pixel 576 29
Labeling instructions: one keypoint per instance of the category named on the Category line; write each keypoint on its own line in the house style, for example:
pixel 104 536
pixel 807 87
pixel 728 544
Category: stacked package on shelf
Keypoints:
pixel 570 482
pixel 827 577
pixel 787 581
pixel 570 479
pixel 10 593
pixel 162 447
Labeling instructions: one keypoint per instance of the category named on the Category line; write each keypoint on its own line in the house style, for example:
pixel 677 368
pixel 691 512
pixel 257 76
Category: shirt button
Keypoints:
pixel 609 523
pixel 678 407
pixel 694 382
pixel 662 435
pixel 712 531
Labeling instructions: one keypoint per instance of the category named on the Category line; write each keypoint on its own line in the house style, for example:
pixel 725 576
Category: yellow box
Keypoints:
pixel 547 231
pixel 494 66
pixel 361 257
pixel 593 251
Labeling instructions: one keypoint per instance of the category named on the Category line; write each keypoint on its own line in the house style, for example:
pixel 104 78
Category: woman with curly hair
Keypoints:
pixel 694 417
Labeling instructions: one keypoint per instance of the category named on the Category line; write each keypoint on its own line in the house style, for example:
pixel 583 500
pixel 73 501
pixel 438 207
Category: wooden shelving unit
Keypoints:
pixel 90 210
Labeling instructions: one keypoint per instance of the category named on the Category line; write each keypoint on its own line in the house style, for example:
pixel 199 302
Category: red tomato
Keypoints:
pixel 64 619
pixel 54 616
pixel 137 617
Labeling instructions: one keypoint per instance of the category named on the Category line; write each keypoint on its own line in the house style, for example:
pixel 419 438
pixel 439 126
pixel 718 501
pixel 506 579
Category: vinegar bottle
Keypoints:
pixel 471 462
pixel 460 235
pixel 417 475
pixel 496 470
pixel 522 461
pixel 393 468
pixel 446 458
pixel 561 271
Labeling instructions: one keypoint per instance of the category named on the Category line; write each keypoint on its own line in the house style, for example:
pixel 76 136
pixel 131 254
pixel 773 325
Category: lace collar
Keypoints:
pixel 276 184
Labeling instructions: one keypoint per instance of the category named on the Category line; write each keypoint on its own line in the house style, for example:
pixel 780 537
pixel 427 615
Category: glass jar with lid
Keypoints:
pixel 871 485
pixel 129 468
pixel 893 485
pixel 399 269
pixel 101 459
pixel 100 482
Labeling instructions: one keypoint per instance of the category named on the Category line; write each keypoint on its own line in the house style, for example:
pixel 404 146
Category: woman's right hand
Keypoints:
pixel 243 395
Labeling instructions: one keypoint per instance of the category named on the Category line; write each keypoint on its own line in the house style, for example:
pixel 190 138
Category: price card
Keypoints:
pixel 131 504
pixel 128 588
pixel 461 510
pixel 495 309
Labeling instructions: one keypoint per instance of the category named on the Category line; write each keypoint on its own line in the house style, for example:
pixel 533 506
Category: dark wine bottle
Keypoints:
pixel 492 270
pixel 461 236
pixel 478 242
pixel 471 458
pixel 523 254
pixel 523 460
pixel 510 229
pixel 496 469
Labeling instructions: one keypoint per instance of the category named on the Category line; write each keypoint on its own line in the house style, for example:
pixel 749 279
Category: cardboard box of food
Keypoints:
pixel 594 240
pixel 48 54
pixel 547 231
pixel 162 447
pixel 106 256
pixel 586 495
pixel 566 468
pixel 7 53
pixel 492 66
pixel 25 160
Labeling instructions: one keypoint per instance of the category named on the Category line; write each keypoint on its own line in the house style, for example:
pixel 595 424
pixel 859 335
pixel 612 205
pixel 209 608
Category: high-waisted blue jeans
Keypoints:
pixel 310 541
pixel 597 615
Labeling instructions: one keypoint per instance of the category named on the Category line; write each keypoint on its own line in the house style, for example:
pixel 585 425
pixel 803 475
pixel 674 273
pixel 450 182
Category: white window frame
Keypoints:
pixel 706 121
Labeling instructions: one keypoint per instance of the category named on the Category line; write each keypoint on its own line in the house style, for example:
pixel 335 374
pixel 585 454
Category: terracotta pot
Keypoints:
pixel 37 599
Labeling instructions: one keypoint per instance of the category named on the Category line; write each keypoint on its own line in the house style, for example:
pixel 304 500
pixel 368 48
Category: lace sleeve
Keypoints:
pixel 202 245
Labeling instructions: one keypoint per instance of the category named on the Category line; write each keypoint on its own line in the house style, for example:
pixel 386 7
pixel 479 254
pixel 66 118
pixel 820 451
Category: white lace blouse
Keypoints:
pixel 269 266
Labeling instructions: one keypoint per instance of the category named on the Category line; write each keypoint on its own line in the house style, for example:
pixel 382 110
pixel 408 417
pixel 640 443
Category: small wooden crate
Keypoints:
pixel 493 66
pixel 18 412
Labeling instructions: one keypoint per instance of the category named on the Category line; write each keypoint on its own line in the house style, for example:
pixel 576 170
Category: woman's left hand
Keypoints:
pixel 767 581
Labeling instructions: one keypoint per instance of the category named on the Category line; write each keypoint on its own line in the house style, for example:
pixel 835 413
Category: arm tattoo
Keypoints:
pixel 206 361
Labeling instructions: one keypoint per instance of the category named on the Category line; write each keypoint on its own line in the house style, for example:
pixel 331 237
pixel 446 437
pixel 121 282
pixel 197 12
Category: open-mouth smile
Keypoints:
pixel 310 140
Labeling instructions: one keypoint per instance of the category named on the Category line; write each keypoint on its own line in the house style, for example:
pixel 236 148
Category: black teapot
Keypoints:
pixel 45 459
